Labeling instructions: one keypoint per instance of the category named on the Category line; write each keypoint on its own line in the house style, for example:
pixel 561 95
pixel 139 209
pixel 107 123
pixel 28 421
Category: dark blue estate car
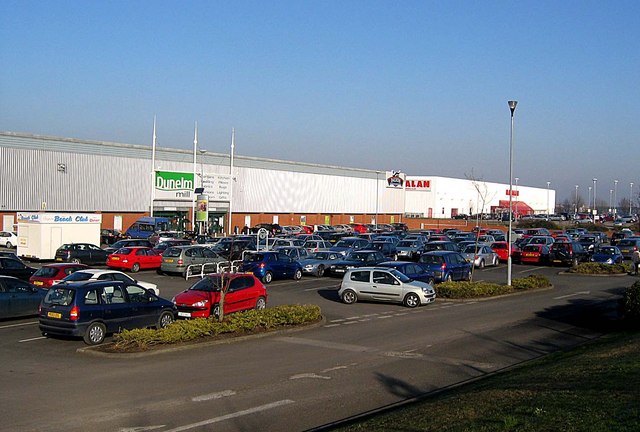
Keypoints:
pixel 356 258
pixel 269 265
pixel 92 309
pixel 412 270
pixel 447 265
pixel 18 298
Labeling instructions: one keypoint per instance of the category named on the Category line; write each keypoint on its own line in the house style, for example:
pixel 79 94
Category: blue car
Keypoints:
pixel 269 265
pixel 607 255
pixel 317 262
pixel 18 298
pixel 412 270
pixel 356 258
pixel 347 244
pixel 447 265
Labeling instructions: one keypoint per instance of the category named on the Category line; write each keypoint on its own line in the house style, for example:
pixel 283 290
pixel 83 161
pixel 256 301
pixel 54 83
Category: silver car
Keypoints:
pixel 177 259
pixel 480 255
pixel 385 285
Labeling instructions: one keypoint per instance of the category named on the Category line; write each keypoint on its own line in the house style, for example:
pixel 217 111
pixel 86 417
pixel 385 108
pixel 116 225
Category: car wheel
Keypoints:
pixel 448 278
pixel 267 278
pixel 95 333
pixel 574 262
pixel 8 245
pixel 135 268
pixel 481 264
pixel 261 303
pixel 349 297
pixel 496 261
pixel 164 319
pixel 297 275
pixel 431 281
pixel 395 257
pixel 411 300
pixel 320 271
pixel 75 260
pixel 215 311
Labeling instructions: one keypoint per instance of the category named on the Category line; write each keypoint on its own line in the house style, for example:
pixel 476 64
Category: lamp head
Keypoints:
pixel 512 106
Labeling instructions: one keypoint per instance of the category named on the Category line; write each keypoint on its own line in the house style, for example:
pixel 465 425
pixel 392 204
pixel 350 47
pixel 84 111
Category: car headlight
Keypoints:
pixel 308 267
pixel 201 303
pixel 609 261
pixel 427 290
pixel 349 267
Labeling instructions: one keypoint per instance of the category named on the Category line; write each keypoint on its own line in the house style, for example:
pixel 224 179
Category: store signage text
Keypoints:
pixel 174 186
pixel 418 184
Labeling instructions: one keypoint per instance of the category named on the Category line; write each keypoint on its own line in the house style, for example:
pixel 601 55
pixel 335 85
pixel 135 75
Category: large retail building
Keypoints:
pixel 123 182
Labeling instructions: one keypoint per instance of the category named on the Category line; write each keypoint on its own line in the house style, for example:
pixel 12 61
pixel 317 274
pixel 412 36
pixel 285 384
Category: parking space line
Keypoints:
pixel 210 396
pixel 18 325
pixel 32 339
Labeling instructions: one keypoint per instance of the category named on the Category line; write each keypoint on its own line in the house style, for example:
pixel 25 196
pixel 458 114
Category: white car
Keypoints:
pixel 98 274
pixel 8 239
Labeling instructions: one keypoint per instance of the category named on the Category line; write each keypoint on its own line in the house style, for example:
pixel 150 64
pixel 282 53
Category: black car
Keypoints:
pixel 18 298
pixel 128 243
pixel 274 229
pixel 232 249
pixel 568 253
pixel 439 245
pixel 10 266
pixel 415 271
pixel 388 249
pixel 85 253
pixel 109 236
pixel 356 258
pixel 93 309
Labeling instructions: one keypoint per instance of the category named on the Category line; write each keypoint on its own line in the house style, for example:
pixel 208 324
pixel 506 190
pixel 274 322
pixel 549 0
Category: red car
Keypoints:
pixel 50 274
pixel 359 228
pixel 502 249
pixel 534 254
pixel 134 258
pixel 202 299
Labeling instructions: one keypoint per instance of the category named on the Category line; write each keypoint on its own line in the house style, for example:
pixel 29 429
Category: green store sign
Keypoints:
pixel 174 186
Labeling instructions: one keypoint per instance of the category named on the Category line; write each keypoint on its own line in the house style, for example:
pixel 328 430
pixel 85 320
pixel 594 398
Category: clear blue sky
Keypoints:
pixel 420 86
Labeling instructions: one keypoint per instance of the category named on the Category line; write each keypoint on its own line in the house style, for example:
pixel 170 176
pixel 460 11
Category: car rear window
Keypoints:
pixel 59 296
pixel 123 251
pixel 78 276
pixel 431 259
pixel 46 272
pixel 172 252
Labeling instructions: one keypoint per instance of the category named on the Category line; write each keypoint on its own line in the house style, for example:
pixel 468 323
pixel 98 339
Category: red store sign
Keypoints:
pixel 418 184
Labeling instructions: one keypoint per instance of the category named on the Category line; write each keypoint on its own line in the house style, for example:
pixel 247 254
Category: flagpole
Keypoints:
pixel 193 203
pixel 233 145
pixel 153 168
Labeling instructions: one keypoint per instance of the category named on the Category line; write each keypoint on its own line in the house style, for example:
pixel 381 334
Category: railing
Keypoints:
pixel 201 270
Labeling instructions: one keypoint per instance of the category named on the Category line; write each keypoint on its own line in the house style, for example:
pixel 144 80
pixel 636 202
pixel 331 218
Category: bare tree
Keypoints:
pixel 483 196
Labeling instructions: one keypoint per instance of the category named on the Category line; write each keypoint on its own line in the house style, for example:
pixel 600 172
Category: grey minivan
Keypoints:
pixel 177 259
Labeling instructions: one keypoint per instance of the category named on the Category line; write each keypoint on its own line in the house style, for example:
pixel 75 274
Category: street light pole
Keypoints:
pixel 377 198
pixel 548 212
pixel 576 207
pixel 512 108
pixel 595 208
pixel 589 203
pixel 610 200
pixel 630 198
pixel 517 193
pixel 615 197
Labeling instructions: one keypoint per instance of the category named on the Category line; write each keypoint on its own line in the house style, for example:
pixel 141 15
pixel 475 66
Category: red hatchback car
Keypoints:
pixel 50 274
pixel 502 249
pixel 134 259
pixel 534 254
pixel 202 299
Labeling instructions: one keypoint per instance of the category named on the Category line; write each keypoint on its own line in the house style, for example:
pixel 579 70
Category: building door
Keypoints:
pixel 7 222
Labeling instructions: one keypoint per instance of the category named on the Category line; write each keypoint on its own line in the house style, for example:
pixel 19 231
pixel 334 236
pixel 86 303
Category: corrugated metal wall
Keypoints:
pixel 112 177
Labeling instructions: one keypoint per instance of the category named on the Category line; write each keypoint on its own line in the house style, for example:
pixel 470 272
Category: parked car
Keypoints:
pixel 386 285
pixel 356 258
pixel 85 253
pixel 108 275
pixel 292 230
pixel 163 236
pixel 8 239
pixel 297 253
pixel 317 262
pixel 18 297
pixel 447 265
pixel 316 245
pixel 202 299
pixel 164 245
pixel 486 239
pixel 128 243
pixel 276 242
pixel 51 274
pixel 274 229
pixel 619 235
pixel 446 245
pixel 607 255
pixel 387 249
pixel 10 266
pixel 232 248
pixel 177 259
pixel 410 249
pixel 269 265
pixel 569 253
pixel 415 271
pixel 589 242
pixel 535 254
pixel 502 249
pixel 134 259
pixel 348 244
pixel 628 246
pixel 480 255
pixel 359 228
pixel 400 227
pixel 109 236
pixel 92 310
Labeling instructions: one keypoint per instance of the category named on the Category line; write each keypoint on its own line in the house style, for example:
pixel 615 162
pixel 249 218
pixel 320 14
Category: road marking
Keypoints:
pixel 386 316
pixel 210 396
pixel 331 325
pixel 32 339
pixel 337 320
pixel 364 319
pixel 325 344
pixel 309 375
pixel 370 315
pixel 350 322
pixel 233 415
pixel 353 318
pixel 18 325
pixel 572 295
pixel 335 368
pixel 531 270
pixel 141 428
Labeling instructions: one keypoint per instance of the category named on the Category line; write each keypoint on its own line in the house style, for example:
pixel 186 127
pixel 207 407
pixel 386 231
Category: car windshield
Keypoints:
pixel 408 244
pixel 470 249
pixel 357 256
pixel 59 296
pixel 254 257
pixel 401 276
pixel 78 276
pixel 606 251
pixel 208 284
pixel 345 243
pixel 322 255
pixel 46 272
pixel 431 259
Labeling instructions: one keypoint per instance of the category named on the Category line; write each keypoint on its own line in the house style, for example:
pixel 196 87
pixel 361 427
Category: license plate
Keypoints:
pixel 38 283
pixel 54 315
pixel 625 250
pixel 115 258
pixel 557 261
pixel 529 254
pixel 58 259
pixel 184 314
pixel 339 271
pixel 168 260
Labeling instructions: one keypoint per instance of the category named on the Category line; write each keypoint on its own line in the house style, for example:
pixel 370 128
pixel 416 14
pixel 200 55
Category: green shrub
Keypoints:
pixel 237 323
pixel 630 304
pixel 599 268
pixel 466 290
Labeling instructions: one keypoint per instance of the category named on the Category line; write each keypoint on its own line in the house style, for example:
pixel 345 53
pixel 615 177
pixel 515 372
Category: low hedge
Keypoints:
pixel 252 321
pixel 599 268
pixel 630 305
pixel 467 290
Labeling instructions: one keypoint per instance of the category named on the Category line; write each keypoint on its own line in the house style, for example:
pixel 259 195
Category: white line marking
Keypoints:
pixel 334 368
pixel 337 321
pixel 370 315
pixel 233 415
pixel 331 325
pixel 386 316
pixel 141 428
pixel 350 322
pixel 218 395
pixel 18 325
pixel 364 319
pixel 572 295
pixel 309 375
pixel 401 313
pixel 32 339
pixel 353 318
